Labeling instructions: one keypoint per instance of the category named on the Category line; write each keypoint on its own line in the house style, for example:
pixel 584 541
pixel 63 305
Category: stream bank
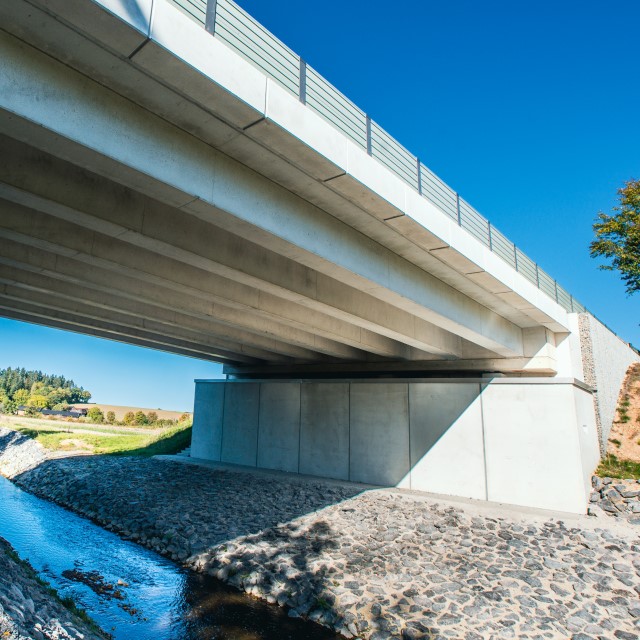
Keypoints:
pixel 30 609
pixel 130 591
pixel 376 564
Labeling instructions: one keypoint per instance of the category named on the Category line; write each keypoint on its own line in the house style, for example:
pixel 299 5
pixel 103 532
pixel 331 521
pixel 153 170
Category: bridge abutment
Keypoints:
pixel 524 441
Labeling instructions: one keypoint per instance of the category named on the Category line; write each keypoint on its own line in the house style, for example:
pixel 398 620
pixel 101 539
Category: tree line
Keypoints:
pixel 131 418
pixel 37 390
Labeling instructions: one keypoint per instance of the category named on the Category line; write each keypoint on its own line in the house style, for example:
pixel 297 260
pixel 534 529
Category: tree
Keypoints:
pixel 57 389
pixel 21 397
pixel 95 415
pixel 38 402
pixel 129 417
pixel 152 417
pixel 111 417
pixel 618 236
pixel 140 418
pixel 8 406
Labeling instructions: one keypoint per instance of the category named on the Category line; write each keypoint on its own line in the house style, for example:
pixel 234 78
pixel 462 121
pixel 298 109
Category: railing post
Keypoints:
pixel 555 284
pixel 419 168
pixel 458 209
pixel 515 256
pixel 490 239
pixel 210 18
pixel 369 146
pixel 537 276
pixel 303 82
pixel 571 300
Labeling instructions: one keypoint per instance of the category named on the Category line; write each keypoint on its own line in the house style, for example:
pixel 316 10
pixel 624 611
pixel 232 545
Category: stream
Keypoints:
pixel 131 592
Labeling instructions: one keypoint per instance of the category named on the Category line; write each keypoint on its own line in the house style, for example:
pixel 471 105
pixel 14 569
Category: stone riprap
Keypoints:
pixel 18 452
pixel 28 611
pixel 617 498
pixel 374 564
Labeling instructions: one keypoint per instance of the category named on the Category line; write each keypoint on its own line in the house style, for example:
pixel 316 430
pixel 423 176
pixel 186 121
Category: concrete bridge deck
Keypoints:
pixel 174 173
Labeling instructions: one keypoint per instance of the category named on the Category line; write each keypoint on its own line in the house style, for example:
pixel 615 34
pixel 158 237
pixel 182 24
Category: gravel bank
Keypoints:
pixel 375 564
pixel 28 610
pixel 18 453
pixel 616 498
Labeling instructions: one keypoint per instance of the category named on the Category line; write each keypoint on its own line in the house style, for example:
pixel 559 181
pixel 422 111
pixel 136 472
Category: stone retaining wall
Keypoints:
pixel 605 360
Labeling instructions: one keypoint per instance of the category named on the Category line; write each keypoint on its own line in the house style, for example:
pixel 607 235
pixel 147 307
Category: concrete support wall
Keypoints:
pixel 605 360
pixel 530 442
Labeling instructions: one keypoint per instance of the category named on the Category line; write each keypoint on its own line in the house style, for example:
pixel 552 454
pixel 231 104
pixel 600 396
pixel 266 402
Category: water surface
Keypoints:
pixel 131 592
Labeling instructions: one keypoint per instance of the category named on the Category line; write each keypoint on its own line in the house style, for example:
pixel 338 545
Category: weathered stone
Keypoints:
pixel 607 505
pixel 400 565
pixel 29 611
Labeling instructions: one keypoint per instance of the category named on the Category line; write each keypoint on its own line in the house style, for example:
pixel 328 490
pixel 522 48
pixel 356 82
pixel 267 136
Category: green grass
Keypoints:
pixel 73 427
pixel 169 441
pixel 611 467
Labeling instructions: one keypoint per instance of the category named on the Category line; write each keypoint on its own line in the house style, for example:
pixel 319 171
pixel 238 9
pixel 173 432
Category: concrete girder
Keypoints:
pixel 112 136
pixel 29 312
pixel 234 325
pixel 86 314
pixel 242 263
pixel 538 367
pixel 43 320
pixel 193 293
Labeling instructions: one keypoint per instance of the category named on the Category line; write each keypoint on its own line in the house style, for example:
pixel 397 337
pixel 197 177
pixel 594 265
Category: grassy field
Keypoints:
pixel 103 440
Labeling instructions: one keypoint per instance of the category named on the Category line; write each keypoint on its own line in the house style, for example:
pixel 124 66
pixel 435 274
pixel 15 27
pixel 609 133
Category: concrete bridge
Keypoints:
pixel 173 176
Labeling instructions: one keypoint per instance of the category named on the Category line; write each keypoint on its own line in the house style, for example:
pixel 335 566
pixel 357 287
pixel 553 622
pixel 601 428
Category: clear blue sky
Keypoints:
pixel 529 110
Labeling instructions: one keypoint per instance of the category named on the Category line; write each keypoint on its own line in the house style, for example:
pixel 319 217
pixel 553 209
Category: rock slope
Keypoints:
pixel 18 453
pixel 29 611
pixel 375 564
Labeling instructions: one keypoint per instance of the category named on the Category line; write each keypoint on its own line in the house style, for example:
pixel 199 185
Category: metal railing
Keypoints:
pixel 227 21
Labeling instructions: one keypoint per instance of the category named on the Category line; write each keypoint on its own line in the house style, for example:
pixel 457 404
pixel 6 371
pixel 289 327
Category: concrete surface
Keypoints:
pixel 313 238
pixel 530 442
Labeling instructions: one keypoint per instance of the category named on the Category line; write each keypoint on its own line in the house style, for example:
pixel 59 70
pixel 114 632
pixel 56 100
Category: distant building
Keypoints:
pixel 72 413
pixel 66 414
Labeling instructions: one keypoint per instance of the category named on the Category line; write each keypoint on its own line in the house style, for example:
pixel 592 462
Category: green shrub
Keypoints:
pixel 95 415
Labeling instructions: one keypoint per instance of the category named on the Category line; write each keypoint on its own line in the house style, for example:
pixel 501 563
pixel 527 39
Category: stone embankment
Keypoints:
pixel 29 611
pixel 18 453
pixel 618 498
pixel 375 564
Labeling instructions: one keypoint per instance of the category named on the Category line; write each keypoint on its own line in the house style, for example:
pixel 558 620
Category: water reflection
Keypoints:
pixel 131 592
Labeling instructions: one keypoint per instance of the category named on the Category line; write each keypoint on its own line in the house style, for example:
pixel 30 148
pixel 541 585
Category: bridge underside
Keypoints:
pixel 166 220
pixel 85 253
